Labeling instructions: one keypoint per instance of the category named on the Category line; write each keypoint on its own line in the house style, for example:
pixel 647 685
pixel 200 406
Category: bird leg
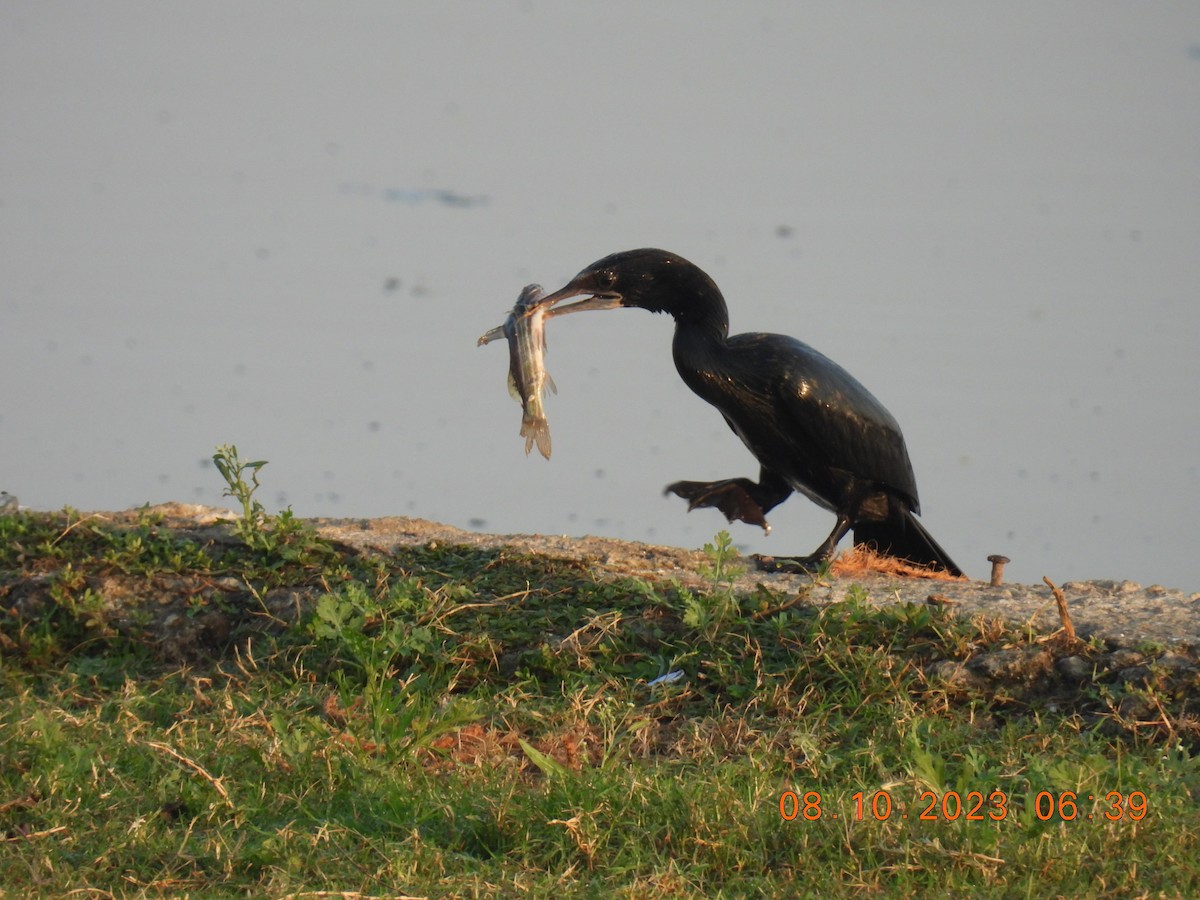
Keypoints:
pixel 812 562
pixel 738 498
pixel 732 496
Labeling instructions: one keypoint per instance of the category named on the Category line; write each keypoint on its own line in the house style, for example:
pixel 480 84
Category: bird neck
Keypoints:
pixel 699 351
pixel 704 318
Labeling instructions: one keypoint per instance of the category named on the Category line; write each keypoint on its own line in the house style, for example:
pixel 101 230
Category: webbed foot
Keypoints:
pixel 731 496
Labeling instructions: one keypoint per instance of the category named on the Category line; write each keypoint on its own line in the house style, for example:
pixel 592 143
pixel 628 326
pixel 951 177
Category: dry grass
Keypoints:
pixel 861 561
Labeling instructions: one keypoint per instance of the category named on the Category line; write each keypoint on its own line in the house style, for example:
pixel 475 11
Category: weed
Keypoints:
pixel 719 607
pixel 233 470
pixel 385 660
pixel 282 539
pixel 721 568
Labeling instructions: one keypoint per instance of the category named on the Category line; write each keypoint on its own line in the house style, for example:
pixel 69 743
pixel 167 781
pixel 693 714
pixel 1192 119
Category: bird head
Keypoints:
pixel 655 280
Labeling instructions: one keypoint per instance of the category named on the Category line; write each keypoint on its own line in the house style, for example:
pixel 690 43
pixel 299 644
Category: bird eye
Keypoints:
pixel 607 278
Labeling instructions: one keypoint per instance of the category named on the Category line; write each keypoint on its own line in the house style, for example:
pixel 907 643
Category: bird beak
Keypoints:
pixel 595 301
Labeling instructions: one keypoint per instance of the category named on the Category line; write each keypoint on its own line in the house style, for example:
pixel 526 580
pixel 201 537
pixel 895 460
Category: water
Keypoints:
pixel 286 229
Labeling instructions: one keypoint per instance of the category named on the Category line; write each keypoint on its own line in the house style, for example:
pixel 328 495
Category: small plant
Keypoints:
pixel 720 568
pixel 283 537
pixel 371 640
pixel 713 610
pixel 858 595
pixel 233 470
pixel 824 570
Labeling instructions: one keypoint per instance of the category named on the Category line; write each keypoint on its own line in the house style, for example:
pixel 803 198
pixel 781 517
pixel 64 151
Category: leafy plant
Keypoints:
pixel 253 522
pixel 283 538
pixel 721 568
pixel 371 640
pixel 711 611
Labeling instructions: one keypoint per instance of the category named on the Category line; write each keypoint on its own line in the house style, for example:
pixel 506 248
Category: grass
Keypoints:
pixel 457 722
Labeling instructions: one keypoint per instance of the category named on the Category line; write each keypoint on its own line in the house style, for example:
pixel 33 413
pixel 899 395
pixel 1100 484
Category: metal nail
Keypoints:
pixel 998 562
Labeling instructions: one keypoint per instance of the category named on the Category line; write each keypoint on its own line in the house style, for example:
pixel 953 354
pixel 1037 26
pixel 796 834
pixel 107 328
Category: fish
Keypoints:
pixel 525 329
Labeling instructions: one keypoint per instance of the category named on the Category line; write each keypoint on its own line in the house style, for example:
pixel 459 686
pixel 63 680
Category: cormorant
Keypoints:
pixel 811 425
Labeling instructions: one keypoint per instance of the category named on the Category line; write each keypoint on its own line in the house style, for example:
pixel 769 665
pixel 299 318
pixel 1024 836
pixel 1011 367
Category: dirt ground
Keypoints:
pixel 1138 636
pixel 1123 614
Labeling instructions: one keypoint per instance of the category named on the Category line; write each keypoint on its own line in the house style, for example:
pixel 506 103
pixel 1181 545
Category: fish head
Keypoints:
pixel 532 296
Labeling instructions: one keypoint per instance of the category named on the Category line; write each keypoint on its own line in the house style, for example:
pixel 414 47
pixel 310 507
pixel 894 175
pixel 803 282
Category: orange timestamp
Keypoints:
pixel 973 806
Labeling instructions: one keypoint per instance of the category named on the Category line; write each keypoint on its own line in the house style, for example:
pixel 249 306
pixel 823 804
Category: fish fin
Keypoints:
pixel 536 430
pixel 543 439
pixel 512 389
pixel 488 337
pixel 550 384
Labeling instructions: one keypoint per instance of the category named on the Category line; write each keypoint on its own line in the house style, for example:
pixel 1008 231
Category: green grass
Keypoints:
pixel 458 722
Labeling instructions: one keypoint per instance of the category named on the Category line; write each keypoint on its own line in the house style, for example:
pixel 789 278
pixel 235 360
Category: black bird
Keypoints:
pixel 811 425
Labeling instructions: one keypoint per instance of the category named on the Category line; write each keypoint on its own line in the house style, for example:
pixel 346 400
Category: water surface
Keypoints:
pixel 284 227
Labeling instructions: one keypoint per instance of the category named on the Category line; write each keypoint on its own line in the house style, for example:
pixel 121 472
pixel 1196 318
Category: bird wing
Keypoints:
pixel 823 414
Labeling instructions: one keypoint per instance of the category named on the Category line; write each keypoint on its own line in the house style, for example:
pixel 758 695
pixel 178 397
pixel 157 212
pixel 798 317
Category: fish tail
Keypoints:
pixel 536 429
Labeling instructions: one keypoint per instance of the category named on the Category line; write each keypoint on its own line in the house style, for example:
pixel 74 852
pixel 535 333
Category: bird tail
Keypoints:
pixel 905 538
